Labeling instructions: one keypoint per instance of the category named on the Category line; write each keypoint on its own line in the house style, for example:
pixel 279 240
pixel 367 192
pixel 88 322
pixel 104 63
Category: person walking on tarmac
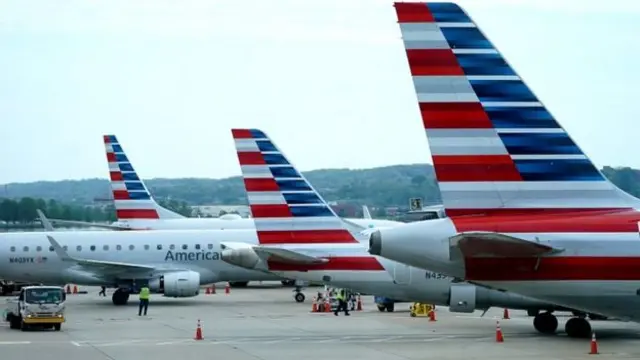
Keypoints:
pixel 342 302
pixel 103 291
pixel 144 300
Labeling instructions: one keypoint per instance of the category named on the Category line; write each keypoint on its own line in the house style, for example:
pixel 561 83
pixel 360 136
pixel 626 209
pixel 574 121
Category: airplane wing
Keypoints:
pixel 89 224
pixel 288 256
pixel 365 212
pixel 45 222
pixel 105 268
pixel 491 244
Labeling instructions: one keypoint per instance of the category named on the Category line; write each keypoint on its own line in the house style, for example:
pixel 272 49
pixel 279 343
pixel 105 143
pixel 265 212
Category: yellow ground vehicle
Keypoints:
pixel 420 309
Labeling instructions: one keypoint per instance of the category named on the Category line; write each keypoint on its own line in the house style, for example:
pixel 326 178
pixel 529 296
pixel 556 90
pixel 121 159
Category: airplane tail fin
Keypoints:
pixel 495 147
pixel 285 207
pixel 131 198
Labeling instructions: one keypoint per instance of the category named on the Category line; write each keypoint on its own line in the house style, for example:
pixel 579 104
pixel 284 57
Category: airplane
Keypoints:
pixel 287 209
pixel 527 211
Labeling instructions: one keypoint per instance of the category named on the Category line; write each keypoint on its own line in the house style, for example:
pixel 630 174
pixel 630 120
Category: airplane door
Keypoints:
pixel 402 274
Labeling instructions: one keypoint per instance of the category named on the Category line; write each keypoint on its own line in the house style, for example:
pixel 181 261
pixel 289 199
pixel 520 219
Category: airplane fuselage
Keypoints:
pixel 214 223
pixel 596 272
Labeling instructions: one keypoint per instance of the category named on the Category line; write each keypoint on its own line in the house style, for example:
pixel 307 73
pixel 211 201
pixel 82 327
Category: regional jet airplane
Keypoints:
pixel 288 210
pixel 527 210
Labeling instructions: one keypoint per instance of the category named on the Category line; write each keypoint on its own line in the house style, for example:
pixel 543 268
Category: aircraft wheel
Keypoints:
pixel 299 297
pixel 578 327
pixel 391 307
pixel 120 297
pixel 381 307
pixel 545 323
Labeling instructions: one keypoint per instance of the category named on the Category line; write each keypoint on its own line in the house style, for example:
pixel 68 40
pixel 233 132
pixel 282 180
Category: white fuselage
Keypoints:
pixel 30 257
pixel 426 245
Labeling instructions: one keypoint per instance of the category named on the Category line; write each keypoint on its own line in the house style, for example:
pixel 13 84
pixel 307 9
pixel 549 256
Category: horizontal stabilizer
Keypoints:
pixel 288 256
pixel 491 244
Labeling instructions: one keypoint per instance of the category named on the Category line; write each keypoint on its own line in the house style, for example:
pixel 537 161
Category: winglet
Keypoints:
pixel 365 212
pixel 62 254
pixel 45 222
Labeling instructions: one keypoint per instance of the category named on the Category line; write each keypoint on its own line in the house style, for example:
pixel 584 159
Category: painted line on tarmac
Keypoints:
pixel 15 342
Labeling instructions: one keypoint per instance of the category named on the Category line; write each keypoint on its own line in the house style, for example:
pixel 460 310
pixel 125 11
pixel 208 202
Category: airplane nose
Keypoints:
pixel 375 243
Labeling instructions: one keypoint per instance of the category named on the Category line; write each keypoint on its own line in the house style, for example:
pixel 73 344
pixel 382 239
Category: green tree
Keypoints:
pixel 9 211
pixel 27 210
pixel 53 210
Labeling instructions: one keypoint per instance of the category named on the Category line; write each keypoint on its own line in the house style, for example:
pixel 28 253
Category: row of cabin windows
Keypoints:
pixel 118 247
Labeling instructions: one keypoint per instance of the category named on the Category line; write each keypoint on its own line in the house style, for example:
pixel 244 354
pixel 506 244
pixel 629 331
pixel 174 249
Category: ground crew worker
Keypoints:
pixel 103 291
pixel 144 300
pixel 341 296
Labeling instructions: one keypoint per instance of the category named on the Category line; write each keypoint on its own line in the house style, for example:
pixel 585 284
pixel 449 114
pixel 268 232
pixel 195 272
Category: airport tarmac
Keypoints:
pixel 264 322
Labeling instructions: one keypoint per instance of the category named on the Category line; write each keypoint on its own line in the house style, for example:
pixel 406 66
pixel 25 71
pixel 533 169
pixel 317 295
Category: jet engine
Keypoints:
pixel 244 257
pixel 462 298
pixel 177 284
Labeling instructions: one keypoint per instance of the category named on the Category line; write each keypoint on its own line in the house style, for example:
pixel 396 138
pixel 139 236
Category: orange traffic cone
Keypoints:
pixel 594 345
pixel 327 306
pixel 359 304
pixel 199 332
pixel 68 289
pixel 208 291
pixel 505 314
pixel 75 289
pixel 213 289
pixel 314 305
pixel 227 288
pixel 432 315
pixel 499 336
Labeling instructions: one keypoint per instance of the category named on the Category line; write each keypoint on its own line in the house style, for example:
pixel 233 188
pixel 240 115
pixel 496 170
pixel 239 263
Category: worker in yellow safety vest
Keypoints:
pixel 144 300
pixel 341 296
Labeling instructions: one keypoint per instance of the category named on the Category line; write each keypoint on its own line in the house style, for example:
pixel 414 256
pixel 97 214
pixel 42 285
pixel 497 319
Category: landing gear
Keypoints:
pixel 390 307
pixel 120 297
pixel 299 297
pixel 578 327
pixel 545 323
pixel 288 282
pixel 532 312
pixel 239 284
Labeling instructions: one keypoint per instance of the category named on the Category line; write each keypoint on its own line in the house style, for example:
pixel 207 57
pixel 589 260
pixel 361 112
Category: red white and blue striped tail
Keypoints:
pixel 131 198
pixel 495 147
pixel 285 207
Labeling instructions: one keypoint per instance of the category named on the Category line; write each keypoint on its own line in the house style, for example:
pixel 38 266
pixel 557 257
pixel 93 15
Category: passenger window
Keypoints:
pixel 159 247
pixel 197 246
pixel 39 248
pixel 210 246
pixel 171 247
pixel 92 248
pixel 25 249
pixel 146 247
pixel 79 248
pixel 51 249
pixel 105 248
pixel 13 249
pixel 131 247
pixel 184 247
pixel 118 247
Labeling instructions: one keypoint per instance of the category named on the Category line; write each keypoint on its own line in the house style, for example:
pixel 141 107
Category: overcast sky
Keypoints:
pixel 328 80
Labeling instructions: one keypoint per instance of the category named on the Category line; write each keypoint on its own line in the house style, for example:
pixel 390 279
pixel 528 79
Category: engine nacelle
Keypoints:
pixel 244 257
pixel 177 284
pixel 462 298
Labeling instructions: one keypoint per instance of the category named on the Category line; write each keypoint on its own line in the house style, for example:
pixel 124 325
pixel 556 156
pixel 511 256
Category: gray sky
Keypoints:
pixel 327 80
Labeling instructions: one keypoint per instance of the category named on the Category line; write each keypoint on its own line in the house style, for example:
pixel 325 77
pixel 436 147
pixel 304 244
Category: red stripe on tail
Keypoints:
pixel 115 176
pixel 572 268
pixel 250 158
pixel 454 116
pixel 342 263
pixel 137 214
pixel 475 168
pixel 241 134
pixel 306 237
pixel 265 184
pixel 433 62
pixel 271 211
pixel 589 221
pixel 413 12
pixel 111 157
pixel 106 139
pixel 121 195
